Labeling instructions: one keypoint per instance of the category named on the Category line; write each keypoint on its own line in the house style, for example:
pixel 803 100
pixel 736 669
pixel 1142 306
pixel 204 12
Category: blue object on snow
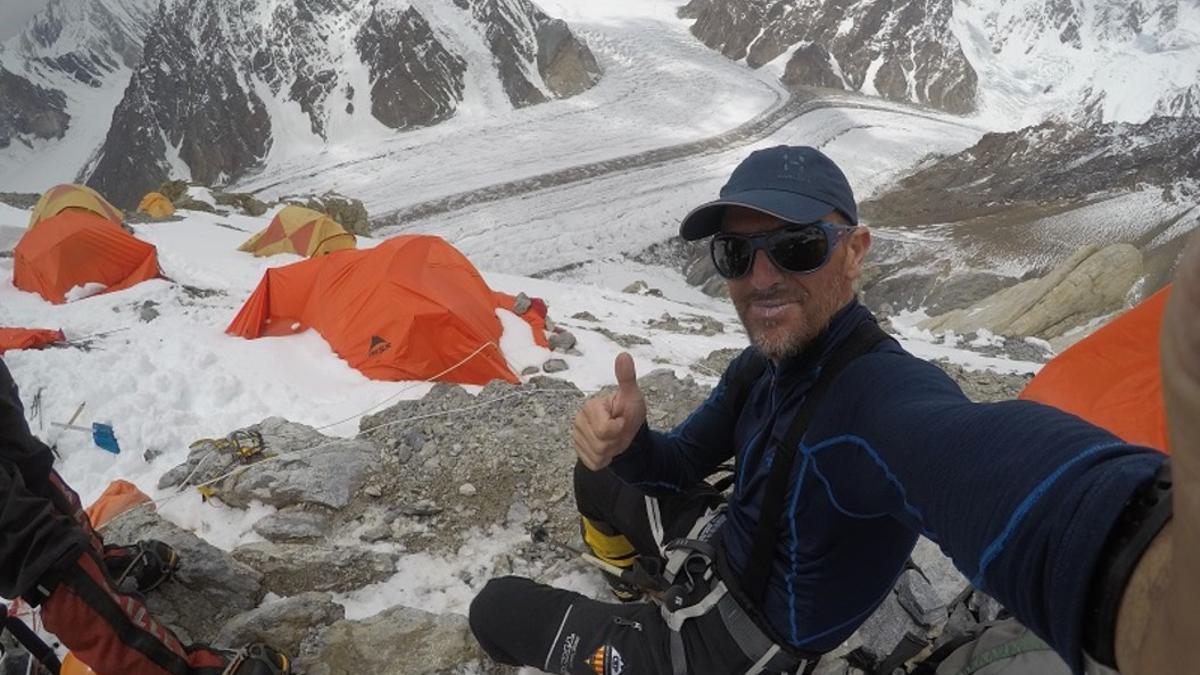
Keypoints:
pixel 104 437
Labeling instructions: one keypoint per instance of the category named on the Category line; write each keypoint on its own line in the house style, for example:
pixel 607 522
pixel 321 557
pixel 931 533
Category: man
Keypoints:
pixel 51 557
pixel 847 449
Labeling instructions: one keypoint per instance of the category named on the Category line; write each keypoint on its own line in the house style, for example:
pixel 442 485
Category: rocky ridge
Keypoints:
pixel 904 51
pixel 215 77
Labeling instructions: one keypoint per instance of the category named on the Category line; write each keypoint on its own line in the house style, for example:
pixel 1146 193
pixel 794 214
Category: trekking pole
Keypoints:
pixel 589 558
pixel 37 648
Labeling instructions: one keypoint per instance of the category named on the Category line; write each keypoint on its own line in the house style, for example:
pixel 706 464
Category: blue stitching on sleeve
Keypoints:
pixel 791 575
pixel 993 549
pixel 836 505
pixel 861 442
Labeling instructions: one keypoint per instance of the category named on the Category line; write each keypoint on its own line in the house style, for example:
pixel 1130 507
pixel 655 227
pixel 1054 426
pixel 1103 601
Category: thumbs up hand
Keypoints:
pixel 606 425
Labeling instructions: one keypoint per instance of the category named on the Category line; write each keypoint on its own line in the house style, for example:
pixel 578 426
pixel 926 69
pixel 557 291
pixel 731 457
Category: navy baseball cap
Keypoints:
pixel 797 184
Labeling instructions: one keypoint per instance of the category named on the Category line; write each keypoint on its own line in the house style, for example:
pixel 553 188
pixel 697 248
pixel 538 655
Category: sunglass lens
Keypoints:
pixel 802 250
pixel 732 255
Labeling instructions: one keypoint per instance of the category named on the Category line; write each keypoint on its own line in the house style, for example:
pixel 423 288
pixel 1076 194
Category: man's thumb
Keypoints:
pixel 627 386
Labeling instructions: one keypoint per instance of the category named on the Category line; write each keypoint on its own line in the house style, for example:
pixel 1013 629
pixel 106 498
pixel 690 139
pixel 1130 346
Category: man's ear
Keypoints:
pixel 858 242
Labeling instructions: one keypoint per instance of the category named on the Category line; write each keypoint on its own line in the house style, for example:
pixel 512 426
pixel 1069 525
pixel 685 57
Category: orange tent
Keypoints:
pixel 1111 378
pixel 409 309
pixel 62 197
pixel 28 338
pixel 302 231
pixel 156 205
pixel 78 247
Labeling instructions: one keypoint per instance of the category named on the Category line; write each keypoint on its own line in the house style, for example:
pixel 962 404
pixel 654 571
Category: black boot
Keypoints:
pixel 147 563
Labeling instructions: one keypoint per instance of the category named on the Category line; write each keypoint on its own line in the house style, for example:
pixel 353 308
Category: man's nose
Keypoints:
pixel 763 273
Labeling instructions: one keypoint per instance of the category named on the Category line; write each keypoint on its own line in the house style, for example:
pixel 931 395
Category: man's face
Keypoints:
pixel 783 311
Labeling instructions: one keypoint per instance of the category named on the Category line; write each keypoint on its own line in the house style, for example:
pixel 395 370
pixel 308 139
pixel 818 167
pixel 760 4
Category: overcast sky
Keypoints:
pixel 14 14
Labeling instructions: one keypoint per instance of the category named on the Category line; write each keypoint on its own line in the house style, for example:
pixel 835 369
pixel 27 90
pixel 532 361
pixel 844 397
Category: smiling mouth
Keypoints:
pixel 770 308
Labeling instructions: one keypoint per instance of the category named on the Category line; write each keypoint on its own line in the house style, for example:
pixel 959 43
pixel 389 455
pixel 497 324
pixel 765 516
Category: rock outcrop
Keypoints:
pixel 210 588
pixel 397 641
pixel 28 111
pixel 296 465
pixel 1093 283
pixel 900 50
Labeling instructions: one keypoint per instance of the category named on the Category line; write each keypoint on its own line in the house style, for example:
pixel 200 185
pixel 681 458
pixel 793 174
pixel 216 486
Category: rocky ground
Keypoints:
pixel 428 476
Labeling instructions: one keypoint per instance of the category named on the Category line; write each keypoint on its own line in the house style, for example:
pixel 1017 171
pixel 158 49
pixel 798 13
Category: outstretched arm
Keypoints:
pixel 1158 627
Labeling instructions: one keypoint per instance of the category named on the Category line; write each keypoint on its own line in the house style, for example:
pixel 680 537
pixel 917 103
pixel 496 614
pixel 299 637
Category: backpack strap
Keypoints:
pixel 737 391
pixel 742 381
pixel 37 648
pixel 766 533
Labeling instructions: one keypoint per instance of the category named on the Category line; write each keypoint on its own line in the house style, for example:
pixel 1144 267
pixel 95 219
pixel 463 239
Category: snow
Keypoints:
pixel 85 291
pixel 1027 72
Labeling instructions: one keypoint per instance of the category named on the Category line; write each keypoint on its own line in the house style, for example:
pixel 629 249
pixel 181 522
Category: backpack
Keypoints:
pixel 1004 648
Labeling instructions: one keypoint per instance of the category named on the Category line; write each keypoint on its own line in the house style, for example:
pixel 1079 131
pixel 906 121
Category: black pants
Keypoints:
pixel 520 622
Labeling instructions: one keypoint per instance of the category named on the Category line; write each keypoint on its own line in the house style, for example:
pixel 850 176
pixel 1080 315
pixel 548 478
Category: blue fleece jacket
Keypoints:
pixel 1020 495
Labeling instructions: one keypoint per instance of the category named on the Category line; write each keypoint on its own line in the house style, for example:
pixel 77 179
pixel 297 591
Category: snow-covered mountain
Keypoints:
pixel 1014 61
pixel 900 49
pixel 60 79
pixel 209 88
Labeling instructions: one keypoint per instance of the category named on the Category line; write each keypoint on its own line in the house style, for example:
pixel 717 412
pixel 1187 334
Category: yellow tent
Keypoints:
pixel 302 231
pixel 62 197
pixel 156 205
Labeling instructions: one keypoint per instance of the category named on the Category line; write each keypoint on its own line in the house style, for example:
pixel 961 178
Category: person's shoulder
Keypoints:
pixel 890 370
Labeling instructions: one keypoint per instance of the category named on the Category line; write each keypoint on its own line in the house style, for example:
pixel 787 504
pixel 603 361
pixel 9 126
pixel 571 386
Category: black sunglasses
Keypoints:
pixel 799 248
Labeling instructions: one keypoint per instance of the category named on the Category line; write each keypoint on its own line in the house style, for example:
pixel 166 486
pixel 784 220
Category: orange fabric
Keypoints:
pixel 28 338
pixel 80 197
pixel 73 666
pixel 536 320
pixel 407 309
pixel 118 497
pixel 78 247
pixel 1112 378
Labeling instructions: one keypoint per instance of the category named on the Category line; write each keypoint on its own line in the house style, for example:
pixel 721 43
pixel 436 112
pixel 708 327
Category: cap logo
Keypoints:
pixel 793 166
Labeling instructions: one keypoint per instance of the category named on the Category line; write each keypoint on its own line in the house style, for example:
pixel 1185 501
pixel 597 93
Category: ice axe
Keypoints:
pixel 102 434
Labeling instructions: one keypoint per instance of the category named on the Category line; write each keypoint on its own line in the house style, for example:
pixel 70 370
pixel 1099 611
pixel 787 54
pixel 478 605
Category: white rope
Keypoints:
pixel 412 385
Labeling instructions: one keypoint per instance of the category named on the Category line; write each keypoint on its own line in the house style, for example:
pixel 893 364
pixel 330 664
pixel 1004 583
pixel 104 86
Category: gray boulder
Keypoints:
pixel 348 212
pixel 945 579
pixel 884 629
pixel 289 569
pixel 298 465
pixel 294 525
pixel 285 624
pixel 210 587
pixel 397 641
pixel 918 597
